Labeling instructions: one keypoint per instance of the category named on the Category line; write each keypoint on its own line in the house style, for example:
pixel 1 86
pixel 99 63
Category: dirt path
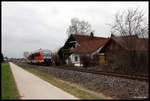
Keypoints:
pixel 32 87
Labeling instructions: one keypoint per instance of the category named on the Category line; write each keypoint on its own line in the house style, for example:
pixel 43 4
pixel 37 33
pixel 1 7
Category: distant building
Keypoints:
pixel 26 54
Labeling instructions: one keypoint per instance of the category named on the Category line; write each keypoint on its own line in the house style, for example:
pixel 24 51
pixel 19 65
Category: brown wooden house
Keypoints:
pixel 117 47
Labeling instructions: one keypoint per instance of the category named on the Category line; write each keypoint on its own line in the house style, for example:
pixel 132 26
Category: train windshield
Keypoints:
pixel 46 54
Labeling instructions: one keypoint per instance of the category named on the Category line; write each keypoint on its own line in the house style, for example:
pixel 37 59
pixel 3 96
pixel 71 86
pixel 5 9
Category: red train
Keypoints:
pixel 40 57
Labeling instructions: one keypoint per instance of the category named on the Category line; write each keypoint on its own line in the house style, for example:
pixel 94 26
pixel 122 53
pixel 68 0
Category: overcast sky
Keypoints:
pixel 28 26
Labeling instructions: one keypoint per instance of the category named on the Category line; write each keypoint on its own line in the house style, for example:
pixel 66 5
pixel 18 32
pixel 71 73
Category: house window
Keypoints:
pixel 76 58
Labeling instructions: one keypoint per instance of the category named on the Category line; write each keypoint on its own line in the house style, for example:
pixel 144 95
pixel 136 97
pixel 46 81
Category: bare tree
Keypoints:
pixel 79 27
pixel 130 25
pixel 130 22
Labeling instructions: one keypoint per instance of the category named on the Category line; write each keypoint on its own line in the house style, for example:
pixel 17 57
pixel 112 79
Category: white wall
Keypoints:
pixel 72 58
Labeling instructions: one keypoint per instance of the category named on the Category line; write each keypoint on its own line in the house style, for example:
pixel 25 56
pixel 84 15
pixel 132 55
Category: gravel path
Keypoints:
pixel 32 87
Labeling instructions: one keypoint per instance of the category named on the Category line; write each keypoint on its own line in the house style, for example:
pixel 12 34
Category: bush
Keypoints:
pixel 57 60
pixel 142 62
pixel 120 63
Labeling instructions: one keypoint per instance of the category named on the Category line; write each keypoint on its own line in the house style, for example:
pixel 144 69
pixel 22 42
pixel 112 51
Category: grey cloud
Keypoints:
pixel 30 26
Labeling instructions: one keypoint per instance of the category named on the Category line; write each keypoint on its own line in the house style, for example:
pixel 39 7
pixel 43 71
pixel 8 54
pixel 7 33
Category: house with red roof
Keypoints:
pixel 77 45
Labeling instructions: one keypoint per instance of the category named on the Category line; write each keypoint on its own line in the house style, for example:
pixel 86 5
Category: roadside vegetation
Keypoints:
pixel 8 85
pixel 73 89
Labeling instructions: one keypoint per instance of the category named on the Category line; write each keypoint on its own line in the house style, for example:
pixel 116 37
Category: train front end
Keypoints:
pixel 47 57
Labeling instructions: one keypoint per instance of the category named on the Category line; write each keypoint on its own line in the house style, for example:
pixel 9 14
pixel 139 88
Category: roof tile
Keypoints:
pixel 88 45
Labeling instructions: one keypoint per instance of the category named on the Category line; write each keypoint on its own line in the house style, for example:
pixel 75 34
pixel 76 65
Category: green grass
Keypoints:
pixel 77 91
pixel 8 85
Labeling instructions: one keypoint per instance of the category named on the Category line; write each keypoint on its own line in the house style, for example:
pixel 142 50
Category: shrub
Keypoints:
pixel 57 60
pixel 142 62
pixel 124 63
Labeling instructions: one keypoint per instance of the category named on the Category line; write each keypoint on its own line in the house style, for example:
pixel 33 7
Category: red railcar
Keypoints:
pixel 40 57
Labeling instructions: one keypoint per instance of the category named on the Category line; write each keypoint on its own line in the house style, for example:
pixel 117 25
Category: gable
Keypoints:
pixel 111 45
pixel 70 42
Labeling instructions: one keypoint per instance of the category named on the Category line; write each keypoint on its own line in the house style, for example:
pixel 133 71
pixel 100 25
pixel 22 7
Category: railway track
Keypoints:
pixel 142 77
pixel 133 76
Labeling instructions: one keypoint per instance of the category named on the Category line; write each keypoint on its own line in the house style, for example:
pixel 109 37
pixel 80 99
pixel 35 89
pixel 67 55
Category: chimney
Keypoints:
pixel 91 35
pixel 112 35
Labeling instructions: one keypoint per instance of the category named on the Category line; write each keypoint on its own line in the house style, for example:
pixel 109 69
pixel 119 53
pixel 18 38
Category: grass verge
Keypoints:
pixel 8 85
pixel 75 90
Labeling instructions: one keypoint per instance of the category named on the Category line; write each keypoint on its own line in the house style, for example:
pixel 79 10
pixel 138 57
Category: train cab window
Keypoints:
pixel 46 54
pixel 37 54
